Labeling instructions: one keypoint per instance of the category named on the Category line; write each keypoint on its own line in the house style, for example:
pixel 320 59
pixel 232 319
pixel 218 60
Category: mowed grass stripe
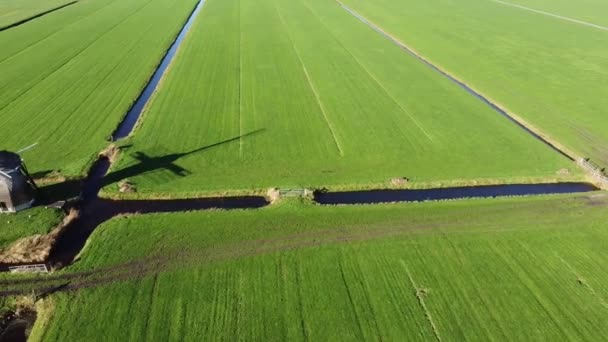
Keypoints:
pixel 359 105
pixel 374 78
pixel 279 96
pixel 312 87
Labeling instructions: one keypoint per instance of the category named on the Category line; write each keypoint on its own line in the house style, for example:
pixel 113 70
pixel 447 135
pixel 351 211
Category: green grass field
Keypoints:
pixel 13 11
pixel 462 270
pixel 31 222
pixel 68 78
pixel 589 11
pixel 311 97
pixel 301 94
pixel 551 72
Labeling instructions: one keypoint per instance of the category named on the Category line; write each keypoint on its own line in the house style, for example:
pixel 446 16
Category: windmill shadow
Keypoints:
pixel 148 163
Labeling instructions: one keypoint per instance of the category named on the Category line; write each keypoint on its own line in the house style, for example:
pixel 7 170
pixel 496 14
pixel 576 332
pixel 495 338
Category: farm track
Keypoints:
pixel 510 116
pixel 173 260
pixel 36 16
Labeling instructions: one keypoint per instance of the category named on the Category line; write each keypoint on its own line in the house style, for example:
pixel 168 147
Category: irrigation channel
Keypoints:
pixel 94 210
pixel 415 195
pixel 130 120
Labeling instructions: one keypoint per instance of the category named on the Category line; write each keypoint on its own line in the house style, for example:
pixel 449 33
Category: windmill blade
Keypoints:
pixel 26 148
pixel 140 156
pixel 177 170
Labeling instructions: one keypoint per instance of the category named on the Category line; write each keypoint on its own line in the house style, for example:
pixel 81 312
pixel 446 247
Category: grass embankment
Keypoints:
pixel 67 79
pixel 476 270
pixel 311 97
pixel 548 71
pixel 14 11
pixel 27 223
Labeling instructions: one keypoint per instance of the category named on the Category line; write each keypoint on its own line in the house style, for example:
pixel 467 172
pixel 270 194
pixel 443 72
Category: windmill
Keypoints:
pixel 17 188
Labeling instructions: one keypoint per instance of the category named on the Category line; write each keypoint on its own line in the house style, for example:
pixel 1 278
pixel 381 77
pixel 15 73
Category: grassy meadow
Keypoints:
pixel 13 11
pixel 311 97
pixel 589 11
pixel 27 223
pixel 68 78
pixel 451 271
pixel 551 72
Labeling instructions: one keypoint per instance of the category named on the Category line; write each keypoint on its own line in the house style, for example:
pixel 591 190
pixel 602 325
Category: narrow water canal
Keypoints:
pixel 130 120
pixel 486 191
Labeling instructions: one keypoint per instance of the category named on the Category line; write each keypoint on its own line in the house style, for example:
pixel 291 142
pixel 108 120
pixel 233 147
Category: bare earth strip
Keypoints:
pixel 599 27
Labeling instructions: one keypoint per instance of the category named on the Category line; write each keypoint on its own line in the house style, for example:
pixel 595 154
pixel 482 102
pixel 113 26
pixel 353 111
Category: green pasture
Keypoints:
pixel 551 72
pixel 27 223
pixel 311 97
pixel 68 78
pixel 590 11
pixel 13 11
pixel 504 269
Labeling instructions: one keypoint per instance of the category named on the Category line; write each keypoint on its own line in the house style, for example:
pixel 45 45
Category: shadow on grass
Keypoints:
pixel 148 163
pixel 64 191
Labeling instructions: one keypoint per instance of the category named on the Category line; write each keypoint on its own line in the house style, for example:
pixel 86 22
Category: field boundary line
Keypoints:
pixel 557 16
pixel 582 281
pixel 370 74
pixel 107 75
pixel 420 297
pixel 71 59
pixel 36 16
pixel 517 120
pixel 293 45
pixel 58 30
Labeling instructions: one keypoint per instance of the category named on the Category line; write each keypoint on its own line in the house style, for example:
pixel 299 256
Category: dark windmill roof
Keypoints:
pixel 9 160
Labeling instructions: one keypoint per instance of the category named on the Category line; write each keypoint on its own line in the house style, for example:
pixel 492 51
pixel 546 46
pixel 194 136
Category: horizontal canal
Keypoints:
pixel 130 120
pixel 419 195
pixel 453 79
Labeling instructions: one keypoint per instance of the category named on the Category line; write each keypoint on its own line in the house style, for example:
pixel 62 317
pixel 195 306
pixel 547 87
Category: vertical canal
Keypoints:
pixel 128 123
